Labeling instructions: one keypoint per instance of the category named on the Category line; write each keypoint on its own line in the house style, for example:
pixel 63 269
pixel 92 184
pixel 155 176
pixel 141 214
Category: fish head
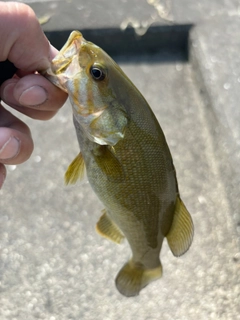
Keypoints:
pixel 89 76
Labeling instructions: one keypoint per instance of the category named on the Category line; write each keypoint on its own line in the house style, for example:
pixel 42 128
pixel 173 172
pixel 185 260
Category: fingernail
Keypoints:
pixel 10 149
pixel 33 96
pixel 7 91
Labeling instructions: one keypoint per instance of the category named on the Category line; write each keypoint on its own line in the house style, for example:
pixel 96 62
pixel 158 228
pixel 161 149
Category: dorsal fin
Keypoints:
pixel 180 235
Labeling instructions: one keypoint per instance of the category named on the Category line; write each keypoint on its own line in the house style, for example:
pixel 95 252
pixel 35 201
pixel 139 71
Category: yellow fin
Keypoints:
pixel 108 229
pixel 109 164
pixel 134 277
pixel 180 235
pixel 75 170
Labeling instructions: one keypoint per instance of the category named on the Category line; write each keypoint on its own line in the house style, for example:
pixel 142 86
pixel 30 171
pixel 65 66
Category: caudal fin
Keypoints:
pixel 133 277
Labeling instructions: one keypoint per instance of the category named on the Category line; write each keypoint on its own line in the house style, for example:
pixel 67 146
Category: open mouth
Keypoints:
pixel 65 65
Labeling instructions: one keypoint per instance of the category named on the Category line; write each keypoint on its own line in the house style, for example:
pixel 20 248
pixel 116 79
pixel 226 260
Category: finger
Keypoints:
pixel 16 144
pixel 20 29
pixel 33 95
pixel 3 173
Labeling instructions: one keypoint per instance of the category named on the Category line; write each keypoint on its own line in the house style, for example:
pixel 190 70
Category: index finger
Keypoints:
pixel 20 29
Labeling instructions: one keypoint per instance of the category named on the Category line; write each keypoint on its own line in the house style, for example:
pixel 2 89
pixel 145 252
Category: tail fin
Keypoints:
pixel 133 277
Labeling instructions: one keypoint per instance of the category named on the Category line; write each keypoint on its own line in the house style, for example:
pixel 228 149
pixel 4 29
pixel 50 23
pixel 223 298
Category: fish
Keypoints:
pixel 127 160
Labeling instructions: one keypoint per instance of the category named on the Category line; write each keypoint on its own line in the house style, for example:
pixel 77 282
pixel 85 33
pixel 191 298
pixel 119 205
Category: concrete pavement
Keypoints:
pixel 52 263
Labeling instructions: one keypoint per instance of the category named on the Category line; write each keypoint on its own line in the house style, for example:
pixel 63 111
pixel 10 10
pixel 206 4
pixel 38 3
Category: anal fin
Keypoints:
pixel 75 170
pixel 108 229
pixel 181 233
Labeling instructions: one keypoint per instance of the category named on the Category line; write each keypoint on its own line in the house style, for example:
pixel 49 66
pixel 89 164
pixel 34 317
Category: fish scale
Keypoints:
pixel 127 160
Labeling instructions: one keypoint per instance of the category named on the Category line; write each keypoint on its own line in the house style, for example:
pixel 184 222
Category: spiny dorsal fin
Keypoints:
pixel 75 170
pixel 108 229
pixel 180 235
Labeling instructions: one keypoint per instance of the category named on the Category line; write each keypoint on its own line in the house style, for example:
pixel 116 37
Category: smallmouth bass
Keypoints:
pixel 127 160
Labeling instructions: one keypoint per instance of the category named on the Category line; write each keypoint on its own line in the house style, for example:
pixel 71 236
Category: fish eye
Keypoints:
pixel 97 73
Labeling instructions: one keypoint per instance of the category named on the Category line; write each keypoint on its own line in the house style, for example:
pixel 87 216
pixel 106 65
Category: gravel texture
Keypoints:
pixel 54 265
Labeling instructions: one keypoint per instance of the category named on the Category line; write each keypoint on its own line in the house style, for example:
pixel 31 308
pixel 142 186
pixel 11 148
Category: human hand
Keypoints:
pixel 23 42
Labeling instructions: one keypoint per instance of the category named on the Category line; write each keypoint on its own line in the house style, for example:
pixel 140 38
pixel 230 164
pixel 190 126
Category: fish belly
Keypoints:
pixel 142 203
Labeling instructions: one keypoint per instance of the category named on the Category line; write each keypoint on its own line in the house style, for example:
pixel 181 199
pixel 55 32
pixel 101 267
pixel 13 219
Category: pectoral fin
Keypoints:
pixel 75 170
pixel 180 235
pixel 108 229
pixel 109 163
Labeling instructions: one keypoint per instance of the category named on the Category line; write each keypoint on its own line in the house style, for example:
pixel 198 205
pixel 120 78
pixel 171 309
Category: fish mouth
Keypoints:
pixel 65 65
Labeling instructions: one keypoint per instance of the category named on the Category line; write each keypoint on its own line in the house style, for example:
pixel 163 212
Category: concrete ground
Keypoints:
pixel 52 263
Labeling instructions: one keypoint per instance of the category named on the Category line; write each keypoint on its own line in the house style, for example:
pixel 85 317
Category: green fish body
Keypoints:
pixel 127 160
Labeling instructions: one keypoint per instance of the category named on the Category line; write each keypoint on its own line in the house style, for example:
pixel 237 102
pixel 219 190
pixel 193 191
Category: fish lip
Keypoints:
pixel 69 50
pixel 65 65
